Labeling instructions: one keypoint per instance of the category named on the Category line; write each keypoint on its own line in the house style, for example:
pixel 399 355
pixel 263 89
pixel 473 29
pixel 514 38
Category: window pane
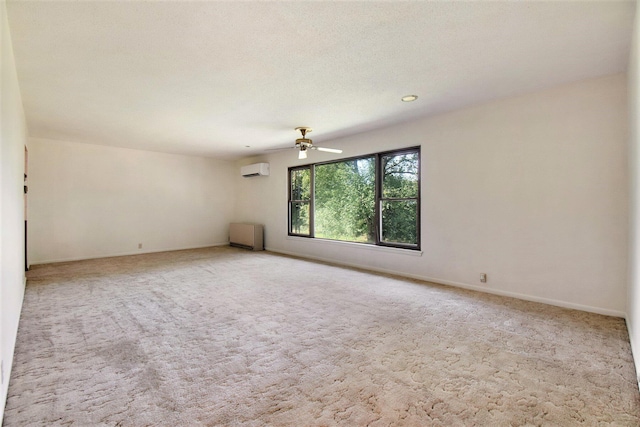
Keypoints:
pixel 399 221
pixel 301 184
pixel 299 217
pixel 345 200
pixel 400 175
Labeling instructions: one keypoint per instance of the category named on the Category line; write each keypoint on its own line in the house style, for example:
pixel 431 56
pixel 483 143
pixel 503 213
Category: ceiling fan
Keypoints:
pixel 304 144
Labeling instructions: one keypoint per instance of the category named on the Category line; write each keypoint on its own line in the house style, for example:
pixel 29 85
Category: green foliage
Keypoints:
pixel 345 200
pixel 300 218
pixel 400 175
pixel 300 201
pixel 399 221
pixel 301 184
pixel 399 198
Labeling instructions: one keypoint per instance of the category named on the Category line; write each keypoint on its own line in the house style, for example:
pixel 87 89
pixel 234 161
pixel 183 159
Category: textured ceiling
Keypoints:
pixel 210 78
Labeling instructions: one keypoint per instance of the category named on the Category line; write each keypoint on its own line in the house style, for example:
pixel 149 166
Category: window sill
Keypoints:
pixel 365 246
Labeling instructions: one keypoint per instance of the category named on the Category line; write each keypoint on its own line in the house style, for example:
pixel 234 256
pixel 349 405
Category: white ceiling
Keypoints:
pixel 210 78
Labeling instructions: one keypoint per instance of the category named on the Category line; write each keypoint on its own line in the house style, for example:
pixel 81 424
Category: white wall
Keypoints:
pixel 88 201
pixel 13 134
pixel 531 190
pixel 633 304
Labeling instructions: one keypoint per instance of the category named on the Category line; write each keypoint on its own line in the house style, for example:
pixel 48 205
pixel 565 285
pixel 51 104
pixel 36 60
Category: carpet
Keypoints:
pixel 226 337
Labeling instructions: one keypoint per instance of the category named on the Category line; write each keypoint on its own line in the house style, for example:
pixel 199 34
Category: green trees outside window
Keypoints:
pixel 300 201
pixel 345 200
pixel 399 199
pixel 372 199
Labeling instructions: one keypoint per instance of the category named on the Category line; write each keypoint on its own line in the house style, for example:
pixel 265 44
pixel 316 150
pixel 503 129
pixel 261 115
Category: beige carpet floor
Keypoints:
pixel 226 337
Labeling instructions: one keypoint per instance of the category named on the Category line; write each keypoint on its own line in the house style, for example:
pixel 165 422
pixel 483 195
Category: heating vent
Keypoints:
pixel 256 169
pixel 248 236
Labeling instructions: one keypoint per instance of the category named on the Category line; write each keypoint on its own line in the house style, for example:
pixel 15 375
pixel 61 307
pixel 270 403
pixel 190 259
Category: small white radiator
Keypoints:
pixel 248 236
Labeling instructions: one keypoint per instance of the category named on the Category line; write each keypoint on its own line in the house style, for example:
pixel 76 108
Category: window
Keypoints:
pixel 300 201
pixel 345 200
pixel 399 198
pixel 372 199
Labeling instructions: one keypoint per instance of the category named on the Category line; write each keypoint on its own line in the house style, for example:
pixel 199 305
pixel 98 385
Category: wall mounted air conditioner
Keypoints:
pixel 256 169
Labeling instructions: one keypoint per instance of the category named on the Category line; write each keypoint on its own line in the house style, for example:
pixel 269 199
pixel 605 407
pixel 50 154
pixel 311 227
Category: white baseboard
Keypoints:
pixel 635 351
pixel 526 297
pixel 139 252
pixel 8 363
pixel 549 301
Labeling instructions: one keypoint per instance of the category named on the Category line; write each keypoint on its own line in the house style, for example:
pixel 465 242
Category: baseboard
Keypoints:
pixel 635 351
pixel 139 252
pixel 526 297
pixel 532 298
pixel 8 363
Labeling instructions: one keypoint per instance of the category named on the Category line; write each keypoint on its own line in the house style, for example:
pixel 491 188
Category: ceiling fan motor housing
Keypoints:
pixel 304 142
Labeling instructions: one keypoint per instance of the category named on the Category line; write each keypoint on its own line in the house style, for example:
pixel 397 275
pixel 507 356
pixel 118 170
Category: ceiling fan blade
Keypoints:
pixel 328 150
pixel 279 149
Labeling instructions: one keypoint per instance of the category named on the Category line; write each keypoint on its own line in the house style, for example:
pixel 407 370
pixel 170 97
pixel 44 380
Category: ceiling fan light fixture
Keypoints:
pixel 409 98
pixel 304 144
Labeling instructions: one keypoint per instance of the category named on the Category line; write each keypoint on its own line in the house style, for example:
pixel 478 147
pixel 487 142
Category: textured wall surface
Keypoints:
pixel 633 303
pixel 531 190
pixel 90 201
pixel 13 140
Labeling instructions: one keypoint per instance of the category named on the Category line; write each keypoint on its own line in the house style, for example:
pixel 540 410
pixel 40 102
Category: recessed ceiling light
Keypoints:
pixel 409 98
pixel 247 146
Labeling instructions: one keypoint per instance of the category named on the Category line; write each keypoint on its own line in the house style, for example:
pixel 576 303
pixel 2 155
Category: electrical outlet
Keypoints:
pixel 139 245
pixel 483 277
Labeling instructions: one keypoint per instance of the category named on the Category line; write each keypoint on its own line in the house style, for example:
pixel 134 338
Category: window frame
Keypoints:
pixel 380 198
pixel 377 194
pixel 310 201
